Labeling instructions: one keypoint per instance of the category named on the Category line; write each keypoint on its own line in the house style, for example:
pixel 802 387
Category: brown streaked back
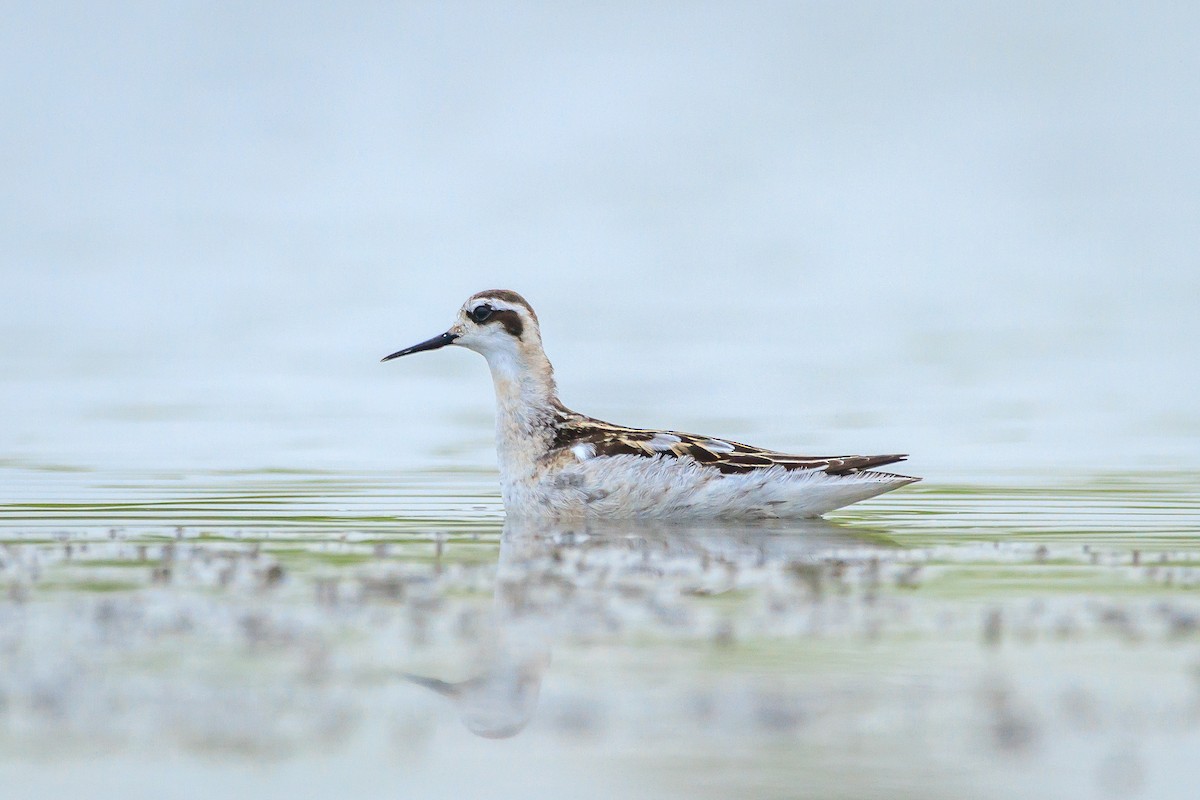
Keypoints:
pixel 572 429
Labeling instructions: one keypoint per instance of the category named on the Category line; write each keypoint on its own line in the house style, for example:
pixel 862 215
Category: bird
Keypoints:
pixel 556 463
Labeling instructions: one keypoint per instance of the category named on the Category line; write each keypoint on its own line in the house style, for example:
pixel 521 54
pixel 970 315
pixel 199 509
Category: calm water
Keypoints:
pixel 239 555
pixel 390 635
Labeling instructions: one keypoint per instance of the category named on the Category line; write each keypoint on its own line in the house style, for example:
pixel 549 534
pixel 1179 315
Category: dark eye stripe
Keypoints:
pixel 511 321
pixel 484 314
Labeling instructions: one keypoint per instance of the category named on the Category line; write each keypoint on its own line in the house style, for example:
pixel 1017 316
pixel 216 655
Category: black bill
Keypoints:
pixel 441 340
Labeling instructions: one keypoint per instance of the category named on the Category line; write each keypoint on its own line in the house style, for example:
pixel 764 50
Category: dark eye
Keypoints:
pixel 481 313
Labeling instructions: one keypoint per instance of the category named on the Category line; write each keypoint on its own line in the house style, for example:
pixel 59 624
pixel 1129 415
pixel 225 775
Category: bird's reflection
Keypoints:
pixel 532 591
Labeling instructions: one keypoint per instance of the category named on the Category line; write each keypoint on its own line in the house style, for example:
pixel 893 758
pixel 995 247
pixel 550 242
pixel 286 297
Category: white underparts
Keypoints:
pixel 670 487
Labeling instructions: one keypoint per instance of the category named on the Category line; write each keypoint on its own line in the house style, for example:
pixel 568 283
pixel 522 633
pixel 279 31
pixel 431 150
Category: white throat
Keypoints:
pixel 525 402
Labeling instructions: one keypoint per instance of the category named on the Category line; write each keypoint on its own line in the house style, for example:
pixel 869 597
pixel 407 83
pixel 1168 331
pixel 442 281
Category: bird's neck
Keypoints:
pixel 526 398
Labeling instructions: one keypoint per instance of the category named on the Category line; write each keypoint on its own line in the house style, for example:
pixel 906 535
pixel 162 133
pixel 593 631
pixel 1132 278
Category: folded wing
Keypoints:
pixel 591 438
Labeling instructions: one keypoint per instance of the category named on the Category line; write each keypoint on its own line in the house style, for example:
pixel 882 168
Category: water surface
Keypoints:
pixel 273 629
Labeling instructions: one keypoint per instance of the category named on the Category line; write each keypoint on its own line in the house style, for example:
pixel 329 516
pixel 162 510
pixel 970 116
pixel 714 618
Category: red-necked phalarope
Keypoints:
pixel 555 462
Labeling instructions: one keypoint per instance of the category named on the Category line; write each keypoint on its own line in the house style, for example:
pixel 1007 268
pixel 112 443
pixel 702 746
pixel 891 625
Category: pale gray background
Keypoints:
pixel 968 231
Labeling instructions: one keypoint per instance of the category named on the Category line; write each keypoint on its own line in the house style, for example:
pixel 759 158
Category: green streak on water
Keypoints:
pixel 88 586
